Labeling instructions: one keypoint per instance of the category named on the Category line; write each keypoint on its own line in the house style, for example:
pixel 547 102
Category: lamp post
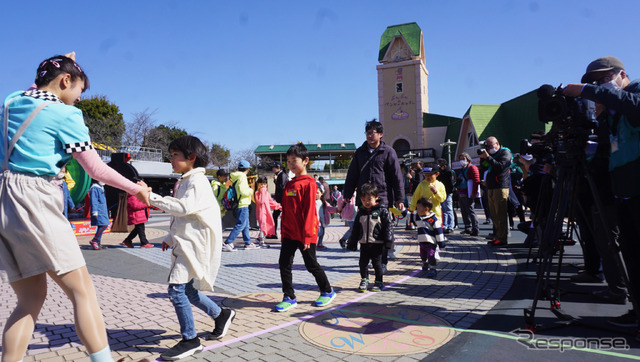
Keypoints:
pixel 448 145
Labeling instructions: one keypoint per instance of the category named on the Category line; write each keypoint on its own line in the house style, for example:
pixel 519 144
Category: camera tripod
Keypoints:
pixel 564 204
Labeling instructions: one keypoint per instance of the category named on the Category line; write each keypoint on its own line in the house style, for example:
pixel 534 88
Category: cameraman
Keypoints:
pixel 498 185
pixel 608 84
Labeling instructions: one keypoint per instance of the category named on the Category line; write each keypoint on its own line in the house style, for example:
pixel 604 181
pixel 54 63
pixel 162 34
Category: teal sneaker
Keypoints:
pixel 286 304
pixel 377 287
pixel 325 299
pixel 363 285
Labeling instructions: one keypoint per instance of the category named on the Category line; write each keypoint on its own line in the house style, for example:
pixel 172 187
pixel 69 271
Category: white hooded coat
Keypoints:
pixel 195 232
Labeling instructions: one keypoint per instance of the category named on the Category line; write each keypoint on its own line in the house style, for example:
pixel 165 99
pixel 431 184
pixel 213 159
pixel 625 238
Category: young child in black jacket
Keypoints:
pixel 372 229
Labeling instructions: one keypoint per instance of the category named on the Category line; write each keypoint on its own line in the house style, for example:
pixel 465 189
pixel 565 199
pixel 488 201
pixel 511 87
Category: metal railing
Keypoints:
pixel 136 153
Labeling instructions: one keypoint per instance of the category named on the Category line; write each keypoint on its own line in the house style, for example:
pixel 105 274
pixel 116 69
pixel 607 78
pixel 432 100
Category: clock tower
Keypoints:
pixel 402 87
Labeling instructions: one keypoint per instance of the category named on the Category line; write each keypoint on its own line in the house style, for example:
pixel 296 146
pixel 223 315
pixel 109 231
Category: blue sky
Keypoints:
pixel 247 73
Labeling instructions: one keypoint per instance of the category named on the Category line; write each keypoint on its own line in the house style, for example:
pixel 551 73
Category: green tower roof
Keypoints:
pixel 411 33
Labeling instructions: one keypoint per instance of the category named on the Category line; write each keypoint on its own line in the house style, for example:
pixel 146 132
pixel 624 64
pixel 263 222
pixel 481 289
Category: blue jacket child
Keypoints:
pixel 99 213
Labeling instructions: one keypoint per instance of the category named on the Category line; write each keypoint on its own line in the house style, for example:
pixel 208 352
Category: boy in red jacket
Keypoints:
pixel 300 230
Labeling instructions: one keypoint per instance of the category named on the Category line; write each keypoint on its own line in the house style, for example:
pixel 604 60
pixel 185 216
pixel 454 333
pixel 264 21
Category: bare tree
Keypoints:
pixel 246 154
pixel 138 128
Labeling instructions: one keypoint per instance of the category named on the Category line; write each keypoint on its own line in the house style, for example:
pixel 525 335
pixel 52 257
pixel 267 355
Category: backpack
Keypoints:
pixel 230 198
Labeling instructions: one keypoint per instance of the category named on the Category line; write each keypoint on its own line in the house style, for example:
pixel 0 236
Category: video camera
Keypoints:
pixel 573 124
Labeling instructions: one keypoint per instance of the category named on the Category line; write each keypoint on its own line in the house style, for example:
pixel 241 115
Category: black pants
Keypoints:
pixel 628 216
pixel 276 215
pixel 287 253
pixel 373 253
pixel 138 230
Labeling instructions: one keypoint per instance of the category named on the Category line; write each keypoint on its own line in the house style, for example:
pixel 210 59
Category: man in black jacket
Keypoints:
pixel 498 183
pixel 281 179
pixel 376 163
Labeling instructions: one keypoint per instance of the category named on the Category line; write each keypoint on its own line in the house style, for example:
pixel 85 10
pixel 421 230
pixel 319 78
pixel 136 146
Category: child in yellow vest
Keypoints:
pixel 432 189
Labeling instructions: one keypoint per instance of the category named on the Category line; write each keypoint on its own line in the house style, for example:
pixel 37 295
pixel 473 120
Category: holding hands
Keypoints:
pixel 144 193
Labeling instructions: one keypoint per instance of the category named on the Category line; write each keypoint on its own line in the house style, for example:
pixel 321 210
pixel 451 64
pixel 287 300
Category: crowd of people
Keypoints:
pixel 376 187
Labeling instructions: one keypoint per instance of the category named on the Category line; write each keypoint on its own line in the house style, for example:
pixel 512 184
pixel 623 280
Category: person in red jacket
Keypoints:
pixel 138 215
pixel 300 230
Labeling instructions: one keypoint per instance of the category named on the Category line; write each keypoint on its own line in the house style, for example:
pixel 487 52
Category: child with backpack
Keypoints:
pixel 219 188
pixel 264 205
pixel 241 192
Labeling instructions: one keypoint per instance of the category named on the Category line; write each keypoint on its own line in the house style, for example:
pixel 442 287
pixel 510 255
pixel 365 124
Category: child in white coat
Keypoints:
pixel 195 237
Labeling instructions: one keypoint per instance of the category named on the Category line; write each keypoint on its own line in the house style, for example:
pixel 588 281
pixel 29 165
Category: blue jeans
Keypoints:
pixel 242 225
pixel 447 212
pixel 320 234
pixel 99 231
pixel 182 296
pixel 347 234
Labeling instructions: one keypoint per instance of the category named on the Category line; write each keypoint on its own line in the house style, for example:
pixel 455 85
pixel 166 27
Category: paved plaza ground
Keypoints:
pixel 468 312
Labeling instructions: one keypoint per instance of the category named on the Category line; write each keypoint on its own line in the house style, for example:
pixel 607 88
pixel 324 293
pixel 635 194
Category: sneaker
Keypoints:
pixel 364 284
pixel 128 244
pixel 325 299
pixel 228 247
pixel 627 320
pixel 262 244
pixel 495 243
pixel 384 269
pixel 442 244
pixel 465 231
pixel 320 246
pixel 377 287
pixel 447 231
pixel 184 348
pixel 391 254
pixel 251 246
pixel 473 233
pixel 432 273
pixel 223 321
pixel 286 304
pixel 95 245
pixel 146 246
pixel 606 295
pixel 488 222
pixel 343 243
pixel 585 277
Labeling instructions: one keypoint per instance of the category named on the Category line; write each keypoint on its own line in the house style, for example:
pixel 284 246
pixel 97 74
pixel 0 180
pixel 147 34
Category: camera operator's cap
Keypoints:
pixel 244 165
pixel 601 65
pixel 431 168
pixel 276 164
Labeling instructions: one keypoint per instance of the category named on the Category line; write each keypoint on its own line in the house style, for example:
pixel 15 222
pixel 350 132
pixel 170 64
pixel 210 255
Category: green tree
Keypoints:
pixel 104 120
pixel 338 165
pixel 160 137
pixel 219 155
